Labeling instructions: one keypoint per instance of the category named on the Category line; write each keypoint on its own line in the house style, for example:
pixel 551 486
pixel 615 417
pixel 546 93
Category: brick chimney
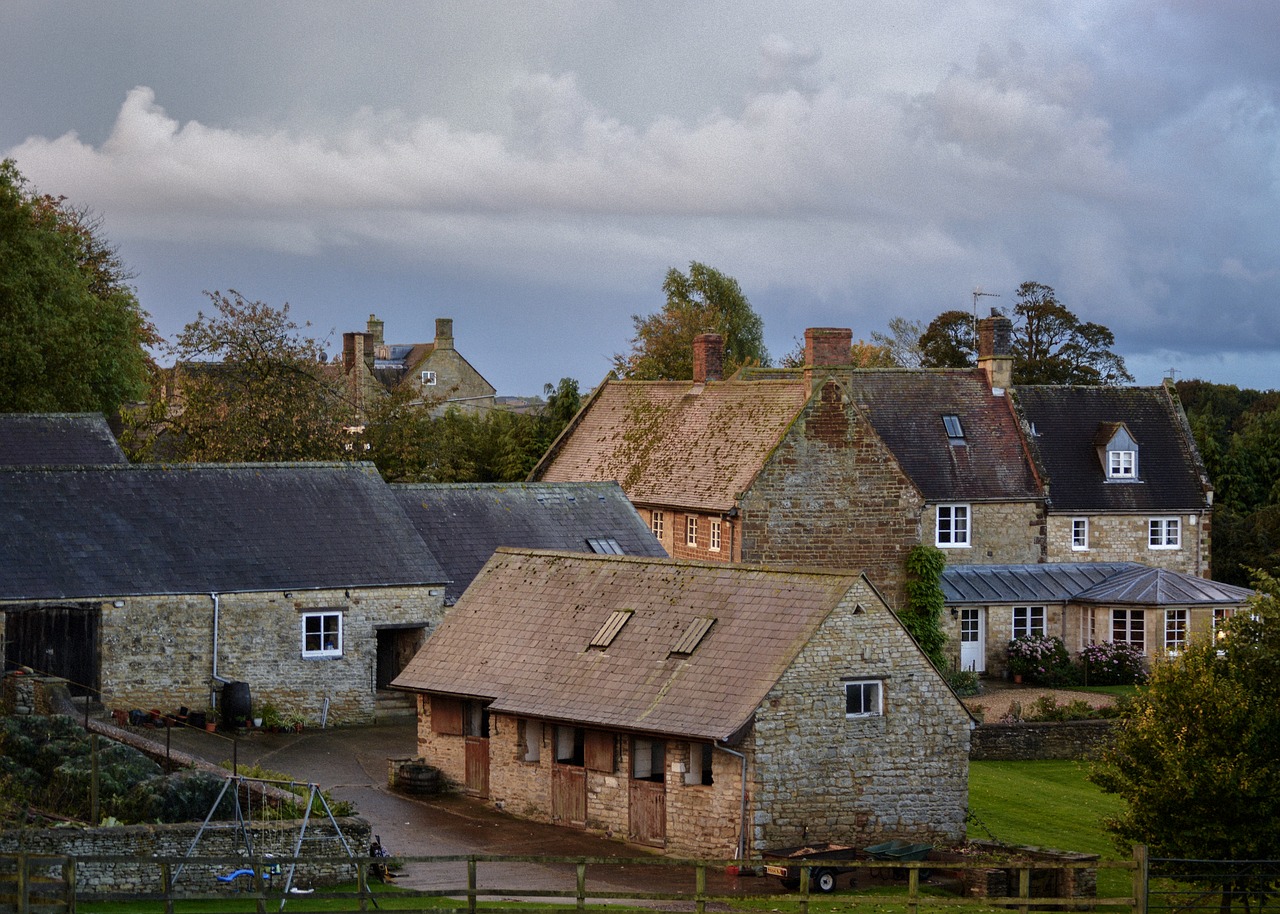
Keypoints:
pixel 708 358
pixel 995 350
pixel 825 348
pixel 444 333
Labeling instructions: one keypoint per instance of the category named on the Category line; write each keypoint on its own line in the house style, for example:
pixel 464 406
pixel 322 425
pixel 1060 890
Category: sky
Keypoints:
pixel 532 170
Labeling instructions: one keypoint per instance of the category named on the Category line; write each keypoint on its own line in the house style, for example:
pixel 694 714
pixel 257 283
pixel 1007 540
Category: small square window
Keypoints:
pixel 1164 533
pixel 863 698
pixel 1080 534
pixel 1122 464
pixel 1129 626
pixel 1028 620
pixel 953 526
pixel 429 378
pixel 713 541
pixel 691 532
pixel 322 634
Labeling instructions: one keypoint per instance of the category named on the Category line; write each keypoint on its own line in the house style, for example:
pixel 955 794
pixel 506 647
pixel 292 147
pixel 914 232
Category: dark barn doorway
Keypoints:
pixel 56 641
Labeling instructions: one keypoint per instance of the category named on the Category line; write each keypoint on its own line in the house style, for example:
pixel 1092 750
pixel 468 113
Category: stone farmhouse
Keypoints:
pixel 57 438
pixel 435 372
pixel 1154 609
pixel 705 708
pixel 158 585
pixel 462 524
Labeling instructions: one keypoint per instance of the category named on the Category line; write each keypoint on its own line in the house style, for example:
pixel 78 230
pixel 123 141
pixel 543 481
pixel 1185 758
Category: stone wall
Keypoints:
pixel 1000 533
pixel 1125 538
pixel 823 776
pixel 832 495
pixel 157 652
pixel 220 839
pixel 1024 742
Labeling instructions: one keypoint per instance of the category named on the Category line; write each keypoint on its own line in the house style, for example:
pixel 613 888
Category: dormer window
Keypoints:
pixel 1118 452
pixel 955 431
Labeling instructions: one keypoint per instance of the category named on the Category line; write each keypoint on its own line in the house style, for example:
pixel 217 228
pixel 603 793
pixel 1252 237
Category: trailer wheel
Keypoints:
pixel 824 881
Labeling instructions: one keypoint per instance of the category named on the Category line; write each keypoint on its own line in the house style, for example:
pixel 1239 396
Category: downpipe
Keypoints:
pixel 742 813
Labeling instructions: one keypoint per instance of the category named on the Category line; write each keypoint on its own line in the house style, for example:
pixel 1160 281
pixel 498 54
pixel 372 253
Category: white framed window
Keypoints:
pixel 530 740
pixel 322 634
pixel 1129 626
pixel 1079 534
pixel 1028 620
pixel 953 526
pixel 691 532
pixel 657 522
pixel 699 771
pixel 1122 464
pixel 1175 630
pixel 1164 533
pixel 428 378
pixel 863 698
pixel 713 540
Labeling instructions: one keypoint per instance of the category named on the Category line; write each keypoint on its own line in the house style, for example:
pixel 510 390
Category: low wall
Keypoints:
pixel 1020 742
pixel 220 839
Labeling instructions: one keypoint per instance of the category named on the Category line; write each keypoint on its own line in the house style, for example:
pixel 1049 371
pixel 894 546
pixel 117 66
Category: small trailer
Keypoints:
pixel 784 864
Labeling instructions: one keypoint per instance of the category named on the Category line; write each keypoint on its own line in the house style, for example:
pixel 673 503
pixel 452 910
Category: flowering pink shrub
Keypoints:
pixel 1039 657
pixel 1113 663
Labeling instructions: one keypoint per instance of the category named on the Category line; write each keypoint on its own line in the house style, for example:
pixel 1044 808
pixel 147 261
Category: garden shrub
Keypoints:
pixel 1112 663
pixel 1041 659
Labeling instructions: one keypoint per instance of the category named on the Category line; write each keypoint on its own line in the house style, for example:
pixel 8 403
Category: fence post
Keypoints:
pixel 700 887
pixel 166 879
pixel 582 885
pixel 1141 872
pixel 913 890
pixel 1024 888
pixel 471 884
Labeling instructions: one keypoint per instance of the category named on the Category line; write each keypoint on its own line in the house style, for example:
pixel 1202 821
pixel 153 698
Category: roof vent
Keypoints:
pixel 610 629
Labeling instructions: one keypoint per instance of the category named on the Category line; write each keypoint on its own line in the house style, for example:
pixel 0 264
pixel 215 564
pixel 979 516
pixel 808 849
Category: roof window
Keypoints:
pixel 604 637
pixel 604 545
pixel 955 431
pixel 693 635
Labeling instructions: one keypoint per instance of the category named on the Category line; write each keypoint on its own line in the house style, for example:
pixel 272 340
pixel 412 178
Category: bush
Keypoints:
pixel 964 683
pixel 1041 659
pixel 1113 663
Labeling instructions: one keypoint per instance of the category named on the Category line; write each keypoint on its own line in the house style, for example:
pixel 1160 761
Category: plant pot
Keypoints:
pixel 257 723
pixel 1017 678
pixel 210 727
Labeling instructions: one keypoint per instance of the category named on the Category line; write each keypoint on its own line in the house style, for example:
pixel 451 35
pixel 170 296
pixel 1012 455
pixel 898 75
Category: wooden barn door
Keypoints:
pixel 647 792
pixel 57 641
pixel 477 749
pixel 569 778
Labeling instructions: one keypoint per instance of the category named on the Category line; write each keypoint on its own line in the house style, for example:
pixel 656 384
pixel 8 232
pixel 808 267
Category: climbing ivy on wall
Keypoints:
pixel 923 613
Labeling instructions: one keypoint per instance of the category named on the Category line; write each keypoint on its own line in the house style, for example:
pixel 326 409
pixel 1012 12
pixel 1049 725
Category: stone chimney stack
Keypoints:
pixel 995 350
pixel 376 326
pixel 444 333
pixel 708 358
pixel 825 348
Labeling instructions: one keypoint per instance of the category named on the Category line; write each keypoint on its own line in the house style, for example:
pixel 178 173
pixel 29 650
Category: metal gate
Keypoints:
pixel 1182 886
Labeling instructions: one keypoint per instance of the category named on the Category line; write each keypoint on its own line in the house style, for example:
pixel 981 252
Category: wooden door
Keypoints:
pixel 569 795
pixel 57 641
pixel 648 812
pixel 477 764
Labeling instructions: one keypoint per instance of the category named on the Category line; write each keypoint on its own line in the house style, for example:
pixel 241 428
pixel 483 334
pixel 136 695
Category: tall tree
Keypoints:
pixel 948 341
pixel 701 301
pixel 1053 346
pixel 1196 759
pixel 247 385
pixel 72 335
pixel 902 342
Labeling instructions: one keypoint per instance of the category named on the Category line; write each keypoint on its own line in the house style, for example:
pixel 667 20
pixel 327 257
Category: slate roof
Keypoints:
pixel 463 523
pixel 111 531
pixel 520 634
pixel 34 439
pixel 906 406
pixel 676 443
pixel 1067 422
pixel 1110 583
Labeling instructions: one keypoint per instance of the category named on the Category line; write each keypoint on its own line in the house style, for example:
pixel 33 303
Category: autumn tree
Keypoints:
pixel 1195 757
pixel 901 345
pixel 701 301
pixel 948 341
pixel 247 385
pixel 72 335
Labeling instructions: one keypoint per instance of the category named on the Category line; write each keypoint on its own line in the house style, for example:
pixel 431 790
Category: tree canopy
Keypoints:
pixel 1196 759
pixel 1050 345
pixel 247 385
pixel 74 336
pixel 703 300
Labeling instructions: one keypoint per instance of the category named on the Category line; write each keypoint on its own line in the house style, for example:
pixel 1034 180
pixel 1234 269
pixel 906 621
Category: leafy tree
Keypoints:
pixel 861 355
pixel 1195 759
pixel 246 385
pixel 704 300
pixel 902 343
pixel 923 613
pixel 948 341
pixel 1053 346
pixel 74 336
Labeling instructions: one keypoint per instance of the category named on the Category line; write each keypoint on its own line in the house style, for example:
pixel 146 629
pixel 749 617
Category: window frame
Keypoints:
pixel 1027 624
pixel 691 531
pixel 1158 532
pixel 960 534
pixel 1176 628
pixel 428 379
pixel 713 538
pixel 1126 623
pixel 862 686
pixel 1122 464
pixel 657 523
pixel 1079 534
pixel 321 652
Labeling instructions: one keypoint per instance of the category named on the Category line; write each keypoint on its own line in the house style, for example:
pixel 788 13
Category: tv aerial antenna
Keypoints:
pixel 977 294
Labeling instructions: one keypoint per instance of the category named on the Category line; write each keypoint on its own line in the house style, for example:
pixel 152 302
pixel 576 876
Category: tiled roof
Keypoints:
pixel 91 532
pixel 1110 583
pixel 34 439
pixel 520 634
pixel 462 524
pixel 676 442
pixel 1067 422
pixel 906 406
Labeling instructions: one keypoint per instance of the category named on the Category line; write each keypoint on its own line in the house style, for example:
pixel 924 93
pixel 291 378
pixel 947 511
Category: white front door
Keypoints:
pixel 973 642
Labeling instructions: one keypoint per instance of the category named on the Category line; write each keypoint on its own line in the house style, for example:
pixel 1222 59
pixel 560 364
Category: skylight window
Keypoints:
pixel 955 431
pixel 604 545
pixel 693 635
pixel 604 637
